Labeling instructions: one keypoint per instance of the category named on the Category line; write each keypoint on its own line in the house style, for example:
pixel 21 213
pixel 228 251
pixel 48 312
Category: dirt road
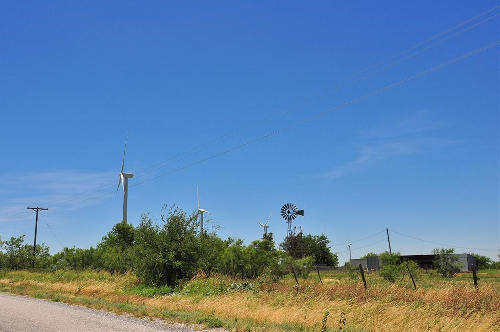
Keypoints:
pixel 19 313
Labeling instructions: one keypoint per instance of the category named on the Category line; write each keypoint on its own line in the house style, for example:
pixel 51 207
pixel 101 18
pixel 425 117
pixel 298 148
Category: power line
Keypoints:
pixel 439 243
pixel 314 116
pixel 239 146
pixel 362 247
pixel 386 65
pixel 340 106
pixel 383 67
pixel 366 237
pixel 433 37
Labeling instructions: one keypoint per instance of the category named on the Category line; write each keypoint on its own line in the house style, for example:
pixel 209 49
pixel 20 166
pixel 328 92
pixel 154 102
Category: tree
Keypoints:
pixel 446 262
pixel 122 235
pixel 211 248
pixel 235 259
pixel 19 255
pixel 115 252
pixel 482 262
pixel 370 254
pixel 391 266
pixel 165 253
pixel 387 258
pixel 316 246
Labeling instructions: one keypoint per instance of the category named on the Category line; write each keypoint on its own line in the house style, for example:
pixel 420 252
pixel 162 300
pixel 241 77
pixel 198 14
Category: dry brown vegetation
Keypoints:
pixel 437 305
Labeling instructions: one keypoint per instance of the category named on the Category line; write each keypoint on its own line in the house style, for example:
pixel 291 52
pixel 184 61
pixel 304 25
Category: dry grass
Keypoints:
pixel 440 305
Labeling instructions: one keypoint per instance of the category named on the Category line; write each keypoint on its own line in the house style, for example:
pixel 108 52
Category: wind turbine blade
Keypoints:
pixel 123 158
pixel 119 181
pixel 197 198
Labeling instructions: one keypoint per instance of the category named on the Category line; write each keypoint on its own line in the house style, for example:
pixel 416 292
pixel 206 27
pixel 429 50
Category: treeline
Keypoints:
pixel 173 249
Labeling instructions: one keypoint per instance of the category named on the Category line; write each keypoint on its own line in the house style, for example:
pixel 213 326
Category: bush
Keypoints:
pixel 482 262
pixel 446 263
pixel 370 254
pixel 75 259
pixel 387 258
pixel 19 256
pixel 163 254
pixel 390 272
pixel 391 266
pixel 351 270
pixel 316 246
pixel 303 266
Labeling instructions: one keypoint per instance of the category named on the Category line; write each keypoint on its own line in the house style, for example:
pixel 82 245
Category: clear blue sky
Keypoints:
pixel 188 81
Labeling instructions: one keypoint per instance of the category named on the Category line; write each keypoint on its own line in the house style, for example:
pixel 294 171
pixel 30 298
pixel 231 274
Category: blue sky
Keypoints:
pixel 198 86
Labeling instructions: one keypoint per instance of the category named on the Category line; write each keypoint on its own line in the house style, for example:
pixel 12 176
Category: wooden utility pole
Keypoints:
pixel 388 240
pixel 36 209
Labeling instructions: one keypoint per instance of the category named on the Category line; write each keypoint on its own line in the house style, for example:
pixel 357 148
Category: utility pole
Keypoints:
pixel 36 228
pixel 388 240
pixel 349 246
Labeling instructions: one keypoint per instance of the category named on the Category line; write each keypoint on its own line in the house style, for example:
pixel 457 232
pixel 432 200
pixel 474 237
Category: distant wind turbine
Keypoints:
pixel 123 178
pixel 200 211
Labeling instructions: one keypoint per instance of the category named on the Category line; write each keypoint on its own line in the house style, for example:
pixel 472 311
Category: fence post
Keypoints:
pixel 294 275
pixel 411 276
pixel 362 272
pixel 474 277
pixel 319 276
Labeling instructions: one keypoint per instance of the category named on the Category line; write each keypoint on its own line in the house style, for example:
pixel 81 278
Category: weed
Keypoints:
pixel 323 321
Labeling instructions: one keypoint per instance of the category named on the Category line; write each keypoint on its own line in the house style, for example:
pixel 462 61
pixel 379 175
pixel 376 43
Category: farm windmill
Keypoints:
pixel 289 212
pixel 200 211
pixel 123 178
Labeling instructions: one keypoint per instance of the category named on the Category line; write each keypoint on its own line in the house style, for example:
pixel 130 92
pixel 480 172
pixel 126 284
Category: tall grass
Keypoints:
pixel 437 305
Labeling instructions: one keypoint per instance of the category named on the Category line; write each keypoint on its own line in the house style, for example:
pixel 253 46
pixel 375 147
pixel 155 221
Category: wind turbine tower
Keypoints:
pixel 124 179
pixel 265 226
pixel 200 211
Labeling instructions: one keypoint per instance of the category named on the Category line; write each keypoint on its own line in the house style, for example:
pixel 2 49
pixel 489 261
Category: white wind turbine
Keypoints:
pixel 265 226
pixel 124 178
pixel 200 211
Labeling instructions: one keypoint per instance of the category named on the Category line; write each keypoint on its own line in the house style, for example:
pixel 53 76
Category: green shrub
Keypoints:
pixel 390 272
pixel 446 263
pixel 163 254
pixel 387 258
pixel 482 262
pixel 303 266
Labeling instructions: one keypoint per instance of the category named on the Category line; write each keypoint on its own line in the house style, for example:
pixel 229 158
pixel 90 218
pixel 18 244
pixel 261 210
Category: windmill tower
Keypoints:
pixel 200 211
pixel 289 212
pixel 124 179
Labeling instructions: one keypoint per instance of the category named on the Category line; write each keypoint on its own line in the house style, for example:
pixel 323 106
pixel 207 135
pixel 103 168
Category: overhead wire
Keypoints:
pixel 366 237
pixel 307 119
pixel 323 113
pixel 397 58
pixel 275 132
pixel 439 243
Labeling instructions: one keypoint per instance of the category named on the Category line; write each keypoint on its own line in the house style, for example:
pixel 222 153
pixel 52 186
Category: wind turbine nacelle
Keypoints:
pixel 128 175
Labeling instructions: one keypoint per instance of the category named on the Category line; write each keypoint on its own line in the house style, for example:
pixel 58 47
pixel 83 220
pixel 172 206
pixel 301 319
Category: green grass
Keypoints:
pixel 122 293
pixel 148 291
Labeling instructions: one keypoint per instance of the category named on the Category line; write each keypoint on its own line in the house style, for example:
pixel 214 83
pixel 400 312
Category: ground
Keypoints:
pixel 438 304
